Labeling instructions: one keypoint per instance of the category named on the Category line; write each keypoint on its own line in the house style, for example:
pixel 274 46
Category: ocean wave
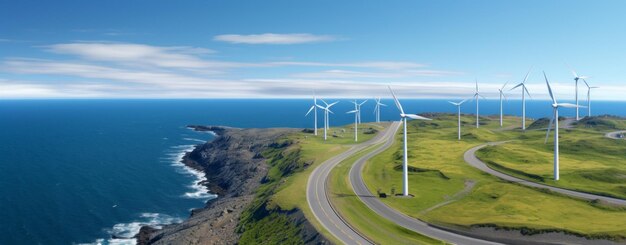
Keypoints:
pixel 199 190
pixel 195 140
pixel 125 231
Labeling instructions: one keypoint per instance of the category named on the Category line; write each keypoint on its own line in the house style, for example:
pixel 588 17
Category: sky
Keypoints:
pixel 288 49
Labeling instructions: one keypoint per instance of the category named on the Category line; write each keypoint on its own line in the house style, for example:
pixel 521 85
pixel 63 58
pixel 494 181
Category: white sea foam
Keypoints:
pixel 125 231
pixel 195 140
pixel 199 190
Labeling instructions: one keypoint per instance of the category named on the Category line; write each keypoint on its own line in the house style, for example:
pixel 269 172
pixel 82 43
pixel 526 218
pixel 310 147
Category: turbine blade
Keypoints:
pixel 570 105
pixel 324 102
pixel 507 82
pixel 528 93
pixel 549 127
pixel 586 83
pixel 395 99
pixel 527 73
pixel 516 86
pixel 549 89
pixel 418 117
pixel 352 111
pixel 312 107
pixel 462 101
pixel 476 85
pixel 332 104
pixel 362 103
pixel 321 107
pixel 453 103
pixel 330 111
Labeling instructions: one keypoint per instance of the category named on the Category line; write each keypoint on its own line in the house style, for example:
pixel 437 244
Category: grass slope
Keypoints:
pixel 492 202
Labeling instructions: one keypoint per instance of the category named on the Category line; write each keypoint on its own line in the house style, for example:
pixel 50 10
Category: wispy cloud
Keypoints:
pixel 130 70
pixel 273 38
pixel 362 74
pixel 386 65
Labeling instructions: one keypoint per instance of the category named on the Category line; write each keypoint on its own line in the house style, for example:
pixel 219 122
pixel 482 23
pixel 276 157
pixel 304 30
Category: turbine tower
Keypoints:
pixel 576 78
pixel 524 92
pixel 314 108
pixel 458 107
pixel 377 109
pixel 501 96
pixel 405 165
pixel 476 95
pixel 356 122
pixel 589 97
pixel 357 107
pixel 326 115
pixel 555 120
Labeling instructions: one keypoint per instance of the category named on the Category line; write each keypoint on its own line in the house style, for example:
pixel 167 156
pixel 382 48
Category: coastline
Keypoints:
pixel 232 168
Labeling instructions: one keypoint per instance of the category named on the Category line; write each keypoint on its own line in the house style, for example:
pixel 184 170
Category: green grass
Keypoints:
pixel 291 160
pixel 363 219
pixel 433 146
pixel 589 162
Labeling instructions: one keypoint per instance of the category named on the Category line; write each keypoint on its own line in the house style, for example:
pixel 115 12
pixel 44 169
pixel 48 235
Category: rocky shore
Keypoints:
pixel 234 168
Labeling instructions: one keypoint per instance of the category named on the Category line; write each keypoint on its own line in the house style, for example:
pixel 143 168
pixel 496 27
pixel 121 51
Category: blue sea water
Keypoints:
pixel 80 171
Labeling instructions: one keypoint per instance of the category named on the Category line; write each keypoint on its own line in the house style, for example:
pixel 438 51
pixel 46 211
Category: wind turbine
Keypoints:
pixel 405 165
pixel 555 119
pixel 377 109
pixel 356 122
pixel 357 107
pixel 314 108
pixel 589 97
pixel 501 96
pixel 576 78
pixel 326 115
pixel 524 92
pixel 476 98
pixel 458 106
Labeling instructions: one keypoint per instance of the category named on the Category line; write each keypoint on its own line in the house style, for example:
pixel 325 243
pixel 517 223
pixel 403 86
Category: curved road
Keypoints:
pixel 613 135
pixel 361 190
pixel 471 159
pixel 317 196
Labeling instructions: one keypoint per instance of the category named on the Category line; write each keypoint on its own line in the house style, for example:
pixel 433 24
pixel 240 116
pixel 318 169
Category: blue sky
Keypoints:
pixel 266 49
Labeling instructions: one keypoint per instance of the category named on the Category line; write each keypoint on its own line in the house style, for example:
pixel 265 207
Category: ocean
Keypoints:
pixel 85 171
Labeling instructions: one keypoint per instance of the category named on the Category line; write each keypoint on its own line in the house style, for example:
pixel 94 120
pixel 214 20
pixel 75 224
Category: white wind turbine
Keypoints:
pixel 524 92
pixel 476 95
pixel 356 122
pixel 377 109
pixel 314 108
pixel 458 106
pixel 555 120
pixel 405 165
pixel 357 106
pixel 501 96
pixel 589 97
pixel 576 78
pixel 326 115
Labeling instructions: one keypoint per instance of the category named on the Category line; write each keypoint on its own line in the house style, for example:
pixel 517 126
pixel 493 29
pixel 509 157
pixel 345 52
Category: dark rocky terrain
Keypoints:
pixel 234 168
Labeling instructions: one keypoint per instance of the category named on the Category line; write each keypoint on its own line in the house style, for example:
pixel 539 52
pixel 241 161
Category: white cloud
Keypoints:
pixel 361 74
pixel 272 38
pixel 386 65
pixel 182 57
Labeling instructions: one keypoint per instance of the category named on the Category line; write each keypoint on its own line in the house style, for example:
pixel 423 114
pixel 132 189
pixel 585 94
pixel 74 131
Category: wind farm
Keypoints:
pixel 312 122
pixel 369 180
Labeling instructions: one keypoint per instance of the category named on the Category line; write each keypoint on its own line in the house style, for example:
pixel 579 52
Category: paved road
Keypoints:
pixel 356 179
pixel 317 195
pixel 471 159
pixel 613 135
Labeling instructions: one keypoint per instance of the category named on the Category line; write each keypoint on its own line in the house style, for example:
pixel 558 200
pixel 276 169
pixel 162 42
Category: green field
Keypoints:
pixel 589 162
pixel 439 174
pixel 363 219
pixel 268 220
